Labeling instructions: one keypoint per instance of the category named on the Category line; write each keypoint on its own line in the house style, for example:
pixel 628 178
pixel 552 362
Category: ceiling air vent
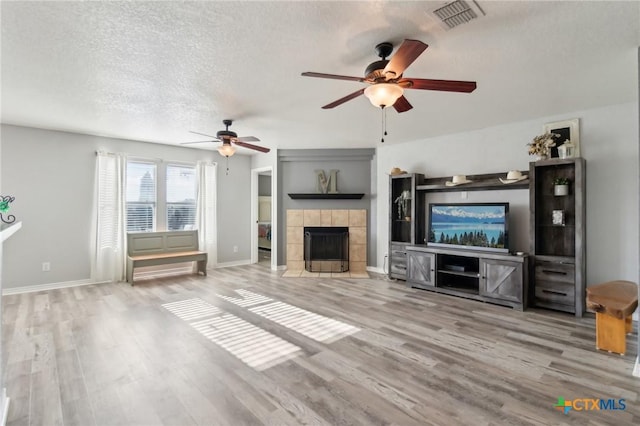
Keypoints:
pixel 456 13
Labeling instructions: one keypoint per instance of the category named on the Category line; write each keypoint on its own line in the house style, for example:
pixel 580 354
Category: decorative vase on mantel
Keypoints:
pixel 540 157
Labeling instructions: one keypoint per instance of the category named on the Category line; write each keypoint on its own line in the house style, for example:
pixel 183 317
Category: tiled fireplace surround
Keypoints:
pixel 355 220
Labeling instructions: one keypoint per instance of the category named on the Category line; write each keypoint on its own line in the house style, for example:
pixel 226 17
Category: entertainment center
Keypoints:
pixel 490 277
pixel 462 249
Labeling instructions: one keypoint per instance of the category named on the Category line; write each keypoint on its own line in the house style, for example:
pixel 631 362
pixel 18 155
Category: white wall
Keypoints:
pixel 234 210
pixel 608 142
pixel 269 159
pixel 51 174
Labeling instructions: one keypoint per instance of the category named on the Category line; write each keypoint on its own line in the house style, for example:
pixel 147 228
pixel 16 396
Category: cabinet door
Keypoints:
pixel 501 279
pixel 421 268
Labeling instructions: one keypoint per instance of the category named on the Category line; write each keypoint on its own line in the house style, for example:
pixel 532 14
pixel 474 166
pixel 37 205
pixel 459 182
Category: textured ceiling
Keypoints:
pixel 152 71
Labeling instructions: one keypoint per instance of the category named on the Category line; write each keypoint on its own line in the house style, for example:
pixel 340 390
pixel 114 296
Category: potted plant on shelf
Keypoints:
pixel 403 205
pixel 560 186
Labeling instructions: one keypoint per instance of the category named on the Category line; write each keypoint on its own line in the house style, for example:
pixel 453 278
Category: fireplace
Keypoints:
pixel 354 220
pixel 326 248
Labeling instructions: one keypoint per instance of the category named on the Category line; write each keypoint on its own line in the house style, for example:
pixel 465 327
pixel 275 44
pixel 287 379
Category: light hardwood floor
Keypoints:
pixel 192 350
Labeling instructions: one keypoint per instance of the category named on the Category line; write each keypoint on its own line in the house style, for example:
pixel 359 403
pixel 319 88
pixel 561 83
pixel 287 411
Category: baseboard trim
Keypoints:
pixel 376 270
pixel 138 275
pixel 49 286
pixel 234 263
pixel 636 368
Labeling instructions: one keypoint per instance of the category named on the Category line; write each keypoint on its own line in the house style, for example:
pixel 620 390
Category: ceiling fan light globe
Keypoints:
pixel 226 150
pixel 383 95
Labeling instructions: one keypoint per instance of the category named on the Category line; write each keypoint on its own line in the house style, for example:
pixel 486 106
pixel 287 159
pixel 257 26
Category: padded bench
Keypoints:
pixel 613 303
pixel 159 248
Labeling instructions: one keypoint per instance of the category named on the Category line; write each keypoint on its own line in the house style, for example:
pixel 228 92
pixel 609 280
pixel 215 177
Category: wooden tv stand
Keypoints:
pixel 494 277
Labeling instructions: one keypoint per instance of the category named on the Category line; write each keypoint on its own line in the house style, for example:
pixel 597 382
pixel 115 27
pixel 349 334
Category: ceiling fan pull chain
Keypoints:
pixel 227 173
pixel 384 131
pixel 384 111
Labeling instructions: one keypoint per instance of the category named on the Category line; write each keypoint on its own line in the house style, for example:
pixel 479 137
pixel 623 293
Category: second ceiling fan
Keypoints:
pixel 386 83
pixel 227 137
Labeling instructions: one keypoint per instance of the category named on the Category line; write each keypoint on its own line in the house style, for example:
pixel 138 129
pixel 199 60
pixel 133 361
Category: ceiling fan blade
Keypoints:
pixel 442 85
pixel 343 100
pixel 204 134
pixel 209 141
pixel 408 51
pixel 402 104
pixel 248 139
pixel 251 146
pixel 332 76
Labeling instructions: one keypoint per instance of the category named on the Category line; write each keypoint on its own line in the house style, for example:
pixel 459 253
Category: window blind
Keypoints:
pixel 141 196
pixel 181 197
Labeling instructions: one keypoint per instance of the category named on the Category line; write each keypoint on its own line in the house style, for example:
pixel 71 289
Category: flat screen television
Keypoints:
pixel 480 226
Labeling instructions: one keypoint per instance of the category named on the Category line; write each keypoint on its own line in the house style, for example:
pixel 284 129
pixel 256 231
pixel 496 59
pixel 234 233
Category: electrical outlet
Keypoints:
pixel 46 266
pixel 235 249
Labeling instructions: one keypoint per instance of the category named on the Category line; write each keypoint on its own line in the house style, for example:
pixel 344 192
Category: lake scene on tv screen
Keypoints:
pixel 468 225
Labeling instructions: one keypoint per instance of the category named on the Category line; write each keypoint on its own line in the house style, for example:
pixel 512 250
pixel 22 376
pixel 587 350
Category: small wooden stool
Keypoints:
pixel 613 302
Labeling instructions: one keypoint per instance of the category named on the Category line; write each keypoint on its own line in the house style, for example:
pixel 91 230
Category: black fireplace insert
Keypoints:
pixel 326 249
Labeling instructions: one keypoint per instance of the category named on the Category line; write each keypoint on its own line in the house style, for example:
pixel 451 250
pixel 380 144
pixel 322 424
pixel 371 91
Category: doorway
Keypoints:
pixel 262 207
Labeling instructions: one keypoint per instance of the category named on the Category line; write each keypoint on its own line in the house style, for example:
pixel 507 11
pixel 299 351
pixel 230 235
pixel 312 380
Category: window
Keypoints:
pixel 160 196
pixel 181 197
pixel 141 196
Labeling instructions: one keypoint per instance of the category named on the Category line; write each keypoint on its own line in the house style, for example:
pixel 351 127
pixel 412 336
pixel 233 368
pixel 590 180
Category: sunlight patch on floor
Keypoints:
pixel 191 309
pixel 249 298
pixel 314 326
pixel 249 343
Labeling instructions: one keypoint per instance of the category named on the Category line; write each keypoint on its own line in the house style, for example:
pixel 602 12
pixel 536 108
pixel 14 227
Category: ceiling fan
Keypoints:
pixel 386 83
pixel 227 137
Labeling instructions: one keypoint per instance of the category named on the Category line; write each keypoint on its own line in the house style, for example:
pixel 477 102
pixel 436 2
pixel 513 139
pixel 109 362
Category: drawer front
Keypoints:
pixel 398 250
pixel 398 265
pixel 556 272
pixel 555 292
pixel 398 271
pixel 398 261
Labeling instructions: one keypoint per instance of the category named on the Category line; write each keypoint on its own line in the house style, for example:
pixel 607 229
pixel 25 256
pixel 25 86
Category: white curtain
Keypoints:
pixel 109 242
pixel 206 211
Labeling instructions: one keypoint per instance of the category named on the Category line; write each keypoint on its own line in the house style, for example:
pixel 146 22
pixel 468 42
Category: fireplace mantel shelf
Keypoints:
pixel 318 196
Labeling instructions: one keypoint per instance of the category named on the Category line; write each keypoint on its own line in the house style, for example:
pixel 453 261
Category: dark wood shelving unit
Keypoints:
pixel 484 182
pixel 404 226
pixel 559 250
